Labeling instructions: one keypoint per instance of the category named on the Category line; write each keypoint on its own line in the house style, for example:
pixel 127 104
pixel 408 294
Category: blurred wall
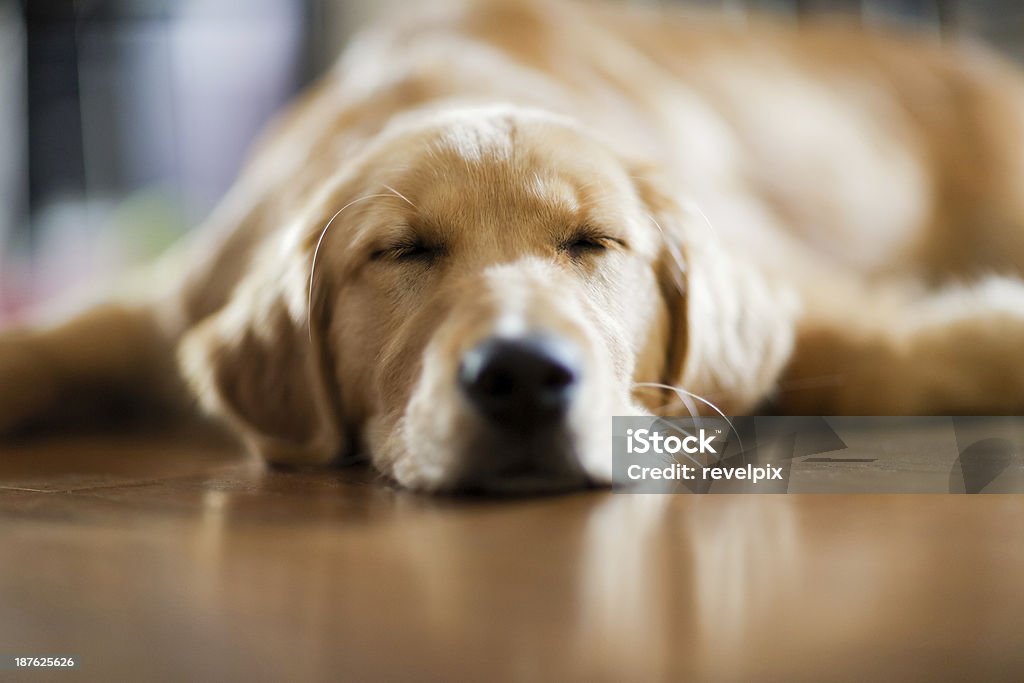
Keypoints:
pixel 138 115
pixel 13 137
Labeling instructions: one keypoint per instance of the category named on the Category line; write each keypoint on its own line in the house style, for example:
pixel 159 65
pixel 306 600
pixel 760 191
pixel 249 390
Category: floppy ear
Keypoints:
pixel 261 364
pixel 731 330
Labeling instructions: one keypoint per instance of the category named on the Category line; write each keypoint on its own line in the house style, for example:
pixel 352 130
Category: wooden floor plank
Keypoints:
pixel 189 563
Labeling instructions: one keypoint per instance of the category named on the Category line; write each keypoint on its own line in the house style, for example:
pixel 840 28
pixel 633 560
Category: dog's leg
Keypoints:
pixel 109 355
pixel 958 351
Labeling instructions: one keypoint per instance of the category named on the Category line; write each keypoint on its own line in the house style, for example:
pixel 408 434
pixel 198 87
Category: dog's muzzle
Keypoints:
pixel 522 388
pixel 521 383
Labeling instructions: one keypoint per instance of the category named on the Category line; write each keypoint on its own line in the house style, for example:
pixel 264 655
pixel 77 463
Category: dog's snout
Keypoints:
pixel 521 382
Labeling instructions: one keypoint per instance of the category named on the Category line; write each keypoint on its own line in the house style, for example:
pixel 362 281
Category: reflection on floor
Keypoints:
pixel 184 560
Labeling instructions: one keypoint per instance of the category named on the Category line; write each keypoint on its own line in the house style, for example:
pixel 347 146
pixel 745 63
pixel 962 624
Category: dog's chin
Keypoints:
pixel 501 461
pixel 491 460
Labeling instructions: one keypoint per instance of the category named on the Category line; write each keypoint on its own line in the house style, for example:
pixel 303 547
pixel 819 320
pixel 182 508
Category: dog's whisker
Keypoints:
pixel 679 390
pixel 316 252
pixel 682 398
pixel 668 459
pixel 657 410
pixel 401 196
pixel 693 206
pixel 683 392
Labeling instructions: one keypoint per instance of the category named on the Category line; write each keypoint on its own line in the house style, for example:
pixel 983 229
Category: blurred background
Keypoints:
pixel 123 121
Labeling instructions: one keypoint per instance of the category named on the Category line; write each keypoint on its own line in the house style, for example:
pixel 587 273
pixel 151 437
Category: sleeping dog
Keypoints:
pixel 492 226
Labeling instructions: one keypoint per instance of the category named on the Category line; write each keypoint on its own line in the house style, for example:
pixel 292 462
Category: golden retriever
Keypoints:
pixel 495 225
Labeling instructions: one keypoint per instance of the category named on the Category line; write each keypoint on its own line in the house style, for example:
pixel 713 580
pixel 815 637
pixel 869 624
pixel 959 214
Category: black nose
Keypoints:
pixel 521 383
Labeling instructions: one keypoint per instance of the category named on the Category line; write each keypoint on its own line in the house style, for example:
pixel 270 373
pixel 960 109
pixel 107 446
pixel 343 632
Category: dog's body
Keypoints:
pixel 820 218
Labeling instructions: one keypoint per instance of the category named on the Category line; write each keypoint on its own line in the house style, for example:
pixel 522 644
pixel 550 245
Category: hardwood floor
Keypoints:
pixel 178 559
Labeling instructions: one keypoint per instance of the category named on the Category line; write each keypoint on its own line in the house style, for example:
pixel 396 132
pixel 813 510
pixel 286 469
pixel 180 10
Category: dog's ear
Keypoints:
pixel 730 331
pixel 262 364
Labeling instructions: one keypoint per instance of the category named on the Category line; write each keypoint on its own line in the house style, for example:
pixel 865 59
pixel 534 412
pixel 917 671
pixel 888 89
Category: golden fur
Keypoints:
pixel 823 219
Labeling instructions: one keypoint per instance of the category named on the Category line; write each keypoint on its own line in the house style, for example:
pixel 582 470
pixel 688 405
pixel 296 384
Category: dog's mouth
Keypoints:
pixel 536 463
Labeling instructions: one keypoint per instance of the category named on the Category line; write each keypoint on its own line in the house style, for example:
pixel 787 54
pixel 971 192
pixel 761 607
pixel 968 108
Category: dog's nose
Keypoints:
pixel 521 383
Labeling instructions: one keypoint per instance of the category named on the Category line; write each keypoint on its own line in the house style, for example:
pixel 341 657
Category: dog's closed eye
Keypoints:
pixel 589 241
pixel 409 250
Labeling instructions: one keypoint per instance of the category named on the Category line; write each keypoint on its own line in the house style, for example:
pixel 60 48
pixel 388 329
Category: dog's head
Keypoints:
pixel 472 299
